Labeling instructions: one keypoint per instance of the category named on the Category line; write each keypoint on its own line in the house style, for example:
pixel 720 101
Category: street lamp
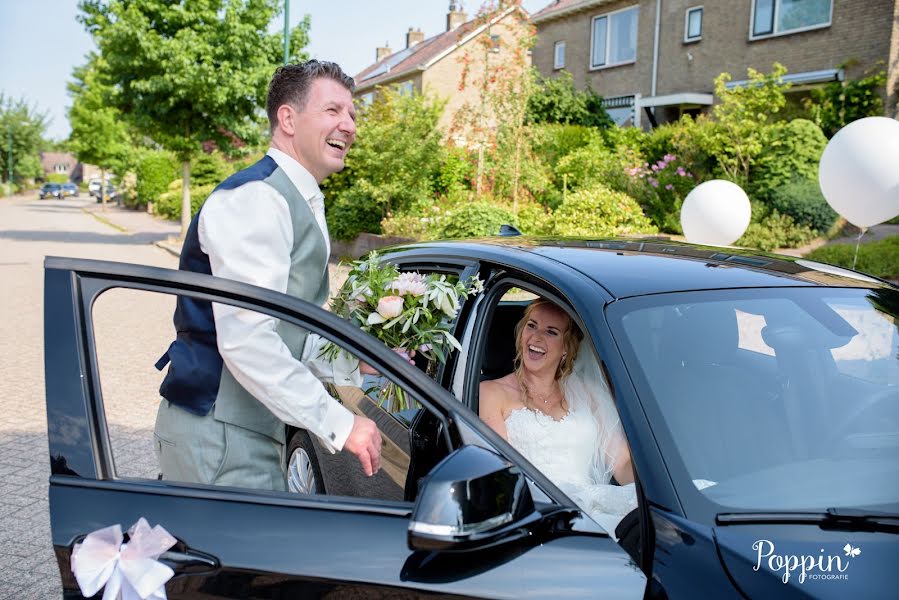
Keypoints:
pixel 9 161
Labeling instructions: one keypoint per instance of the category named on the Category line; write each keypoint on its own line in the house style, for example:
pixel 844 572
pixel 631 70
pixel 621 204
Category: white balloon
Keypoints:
pixel 859 171
pixel 716 213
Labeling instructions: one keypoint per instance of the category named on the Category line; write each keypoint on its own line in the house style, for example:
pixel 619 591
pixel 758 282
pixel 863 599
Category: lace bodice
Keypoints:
pixel 564 450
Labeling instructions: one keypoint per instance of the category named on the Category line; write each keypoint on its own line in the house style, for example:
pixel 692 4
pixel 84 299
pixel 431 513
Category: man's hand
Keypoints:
pixel 367 369
pixel 365 442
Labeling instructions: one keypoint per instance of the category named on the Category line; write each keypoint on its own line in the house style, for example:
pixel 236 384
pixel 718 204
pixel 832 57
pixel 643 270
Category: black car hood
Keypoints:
pixel 838 564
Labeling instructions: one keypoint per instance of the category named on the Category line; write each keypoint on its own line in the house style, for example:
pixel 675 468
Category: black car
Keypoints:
pixel 759 396
pixel 50 190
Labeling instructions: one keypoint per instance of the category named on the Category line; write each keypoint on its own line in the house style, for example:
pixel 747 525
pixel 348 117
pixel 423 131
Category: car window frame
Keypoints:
pixel 88 279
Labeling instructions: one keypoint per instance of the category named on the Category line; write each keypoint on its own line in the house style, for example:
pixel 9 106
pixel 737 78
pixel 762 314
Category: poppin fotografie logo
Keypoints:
pixel 810 566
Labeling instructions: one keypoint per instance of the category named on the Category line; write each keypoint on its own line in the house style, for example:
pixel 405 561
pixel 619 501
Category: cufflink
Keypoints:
pixel 332 436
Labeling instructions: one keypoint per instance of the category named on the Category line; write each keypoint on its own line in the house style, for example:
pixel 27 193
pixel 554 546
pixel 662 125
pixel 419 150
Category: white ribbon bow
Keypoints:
pixel 129 571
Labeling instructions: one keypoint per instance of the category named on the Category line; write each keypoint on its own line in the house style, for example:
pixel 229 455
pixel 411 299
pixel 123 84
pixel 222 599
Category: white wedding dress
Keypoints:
pixel 577 452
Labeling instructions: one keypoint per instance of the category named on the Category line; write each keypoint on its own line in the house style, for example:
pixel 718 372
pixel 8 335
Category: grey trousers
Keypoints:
pixel 198 449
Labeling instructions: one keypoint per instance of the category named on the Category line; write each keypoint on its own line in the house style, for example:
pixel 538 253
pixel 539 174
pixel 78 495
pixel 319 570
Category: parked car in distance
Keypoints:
pixel 70 189
pixel 93 186
pixel 50 190
pixel 758 395
pixel 110 191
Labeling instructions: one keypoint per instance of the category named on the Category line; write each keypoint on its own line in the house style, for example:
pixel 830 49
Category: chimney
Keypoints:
pixel 455 17
pixel 414 36
pixel 382 52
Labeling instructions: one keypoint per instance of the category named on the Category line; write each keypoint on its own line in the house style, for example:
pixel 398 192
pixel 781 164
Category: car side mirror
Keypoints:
pixel 472 499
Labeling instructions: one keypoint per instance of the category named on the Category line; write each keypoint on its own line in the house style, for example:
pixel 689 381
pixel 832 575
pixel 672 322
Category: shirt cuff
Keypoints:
pixel 337 424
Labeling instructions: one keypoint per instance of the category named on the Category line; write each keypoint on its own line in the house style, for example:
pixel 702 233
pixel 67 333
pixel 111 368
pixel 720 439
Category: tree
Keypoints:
pixel 26 126
pixel 497 66
pixel 189 73
pixel 99 135
pixel 742 118
pixel 556 100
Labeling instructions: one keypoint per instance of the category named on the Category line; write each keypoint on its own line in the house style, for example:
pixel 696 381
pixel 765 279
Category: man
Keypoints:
pixel 236 376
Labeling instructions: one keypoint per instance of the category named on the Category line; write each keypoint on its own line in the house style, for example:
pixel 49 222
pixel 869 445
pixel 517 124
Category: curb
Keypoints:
pixel 170 248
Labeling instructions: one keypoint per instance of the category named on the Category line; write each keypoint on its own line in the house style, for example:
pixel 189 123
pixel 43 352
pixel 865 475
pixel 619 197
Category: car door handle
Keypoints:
pixel 189 561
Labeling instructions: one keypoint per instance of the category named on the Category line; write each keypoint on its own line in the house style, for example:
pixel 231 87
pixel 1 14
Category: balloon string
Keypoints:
pixel 858 241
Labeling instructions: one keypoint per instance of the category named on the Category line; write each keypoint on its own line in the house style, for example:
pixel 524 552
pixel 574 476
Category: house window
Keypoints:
pixel 693 26
pixel 495 43
pixel 406 88
pixel 614 38
pixel 367 98
pixel 775 17
pixel 559 55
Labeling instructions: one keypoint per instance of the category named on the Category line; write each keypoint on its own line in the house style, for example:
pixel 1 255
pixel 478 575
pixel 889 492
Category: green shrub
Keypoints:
pixel 599 211
pixel 209 169
pixel 352 213
pixel 595 163
pixel 411 226
pixel 534 219
pixel 839 103
pixel 169 203
pixel 57 178
pixel 456 172
pixel 552 141
pixel 775 231
pixel 880 258
pixel 155 171
pixel 475 220
pixel 791 150
pixel 557 100
pixel 802 200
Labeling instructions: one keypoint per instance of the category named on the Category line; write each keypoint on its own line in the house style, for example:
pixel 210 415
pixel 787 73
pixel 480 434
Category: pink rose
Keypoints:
pixel 390 307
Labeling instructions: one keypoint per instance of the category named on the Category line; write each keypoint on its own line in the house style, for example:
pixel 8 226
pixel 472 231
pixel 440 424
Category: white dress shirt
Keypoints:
pixel 248 236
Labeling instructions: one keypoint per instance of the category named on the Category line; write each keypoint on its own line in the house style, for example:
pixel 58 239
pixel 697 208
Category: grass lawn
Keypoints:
pixel 880 259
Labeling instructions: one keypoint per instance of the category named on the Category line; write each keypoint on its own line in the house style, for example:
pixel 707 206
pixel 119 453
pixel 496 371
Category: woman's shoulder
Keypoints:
pixel 502 392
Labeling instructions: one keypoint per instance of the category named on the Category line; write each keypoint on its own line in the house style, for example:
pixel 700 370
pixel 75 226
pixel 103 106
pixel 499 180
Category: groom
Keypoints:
pixel 236 376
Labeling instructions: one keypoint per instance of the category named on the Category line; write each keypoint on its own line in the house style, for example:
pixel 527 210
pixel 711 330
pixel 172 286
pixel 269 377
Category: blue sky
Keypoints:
pixel 41 41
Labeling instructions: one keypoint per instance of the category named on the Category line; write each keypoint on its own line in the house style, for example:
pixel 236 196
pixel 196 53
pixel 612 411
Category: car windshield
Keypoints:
pixel 776 399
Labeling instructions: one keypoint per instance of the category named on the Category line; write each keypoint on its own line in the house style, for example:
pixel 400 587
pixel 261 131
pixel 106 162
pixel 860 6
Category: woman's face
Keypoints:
pixel 542 339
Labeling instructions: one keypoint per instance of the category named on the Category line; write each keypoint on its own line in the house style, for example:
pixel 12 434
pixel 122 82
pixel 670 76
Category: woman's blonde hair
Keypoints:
pixel 571 339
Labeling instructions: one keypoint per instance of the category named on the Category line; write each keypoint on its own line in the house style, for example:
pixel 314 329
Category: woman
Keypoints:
pixel 555 408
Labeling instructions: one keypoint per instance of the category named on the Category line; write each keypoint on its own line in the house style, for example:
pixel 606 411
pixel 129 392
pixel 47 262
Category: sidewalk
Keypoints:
pixel 140 224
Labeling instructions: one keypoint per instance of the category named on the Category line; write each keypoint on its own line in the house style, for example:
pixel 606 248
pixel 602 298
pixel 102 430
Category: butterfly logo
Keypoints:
pixel 851 551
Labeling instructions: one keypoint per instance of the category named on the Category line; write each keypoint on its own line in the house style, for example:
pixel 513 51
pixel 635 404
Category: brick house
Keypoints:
pixel 653 60
pixel 434 65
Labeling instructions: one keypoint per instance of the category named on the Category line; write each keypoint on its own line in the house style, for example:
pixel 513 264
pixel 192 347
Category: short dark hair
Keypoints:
pixel 290 85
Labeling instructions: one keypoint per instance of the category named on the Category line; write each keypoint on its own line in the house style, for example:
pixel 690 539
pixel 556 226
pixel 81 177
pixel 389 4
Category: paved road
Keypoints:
pixel 31 229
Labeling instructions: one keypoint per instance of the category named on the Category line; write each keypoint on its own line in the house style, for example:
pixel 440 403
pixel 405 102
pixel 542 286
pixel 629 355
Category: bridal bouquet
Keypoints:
pixel 407 311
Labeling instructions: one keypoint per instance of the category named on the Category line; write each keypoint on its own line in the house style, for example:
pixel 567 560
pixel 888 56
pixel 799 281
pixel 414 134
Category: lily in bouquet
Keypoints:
pixel 409 312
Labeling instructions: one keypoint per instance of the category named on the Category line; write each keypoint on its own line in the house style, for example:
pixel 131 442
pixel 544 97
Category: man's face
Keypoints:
pixel 325 128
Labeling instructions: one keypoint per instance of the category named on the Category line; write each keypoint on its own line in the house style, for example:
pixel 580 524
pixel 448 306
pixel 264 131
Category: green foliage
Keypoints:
pixel 475 220
pixel 660 189
pixel 553 141
pixel 775 230
pixel 186 73
pixel 155 170
pixel 534 219
pixel 596 163
pixel 27 126
pixel 839 103
pixel 599 211
pixel 802 200
pixel 99 134
pixel 742 117
pixel 556 100
pixel 209 168
pixel 456 172
pixel 57 178
pixel 395 160
pixel 169 203
pixel 792 150
pixel 353 212
pixel 880 258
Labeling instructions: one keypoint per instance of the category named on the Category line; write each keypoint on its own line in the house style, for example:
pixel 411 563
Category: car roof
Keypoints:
pixel 638 266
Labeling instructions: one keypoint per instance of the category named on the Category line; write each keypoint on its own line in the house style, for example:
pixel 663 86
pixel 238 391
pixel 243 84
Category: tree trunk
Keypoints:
pixel 185 198
pixel 103 189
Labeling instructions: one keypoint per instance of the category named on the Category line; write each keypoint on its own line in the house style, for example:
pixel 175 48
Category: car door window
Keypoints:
pixel 128 402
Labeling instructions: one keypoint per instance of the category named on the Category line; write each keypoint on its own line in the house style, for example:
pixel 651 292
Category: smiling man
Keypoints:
pixel 235 376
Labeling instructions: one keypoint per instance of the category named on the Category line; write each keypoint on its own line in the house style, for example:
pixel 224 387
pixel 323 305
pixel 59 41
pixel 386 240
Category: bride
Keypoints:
pixel 555 408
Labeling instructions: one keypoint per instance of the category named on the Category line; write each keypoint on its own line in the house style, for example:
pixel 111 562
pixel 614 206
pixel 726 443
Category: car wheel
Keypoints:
pixel 304 475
